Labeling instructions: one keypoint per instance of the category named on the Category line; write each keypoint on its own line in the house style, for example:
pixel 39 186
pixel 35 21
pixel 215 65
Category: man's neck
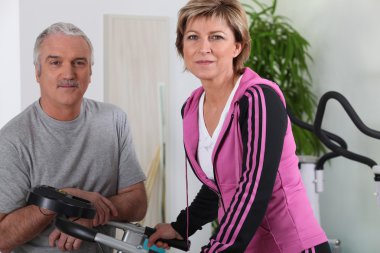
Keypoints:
pixel 61 112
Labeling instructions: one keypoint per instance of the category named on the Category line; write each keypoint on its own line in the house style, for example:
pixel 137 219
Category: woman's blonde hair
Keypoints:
pixel 229 10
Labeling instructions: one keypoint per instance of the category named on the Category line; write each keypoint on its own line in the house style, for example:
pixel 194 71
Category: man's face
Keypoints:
pixel 65 71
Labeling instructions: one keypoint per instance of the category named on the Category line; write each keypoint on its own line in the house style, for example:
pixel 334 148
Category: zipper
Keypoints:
pixel 196 174
pixel 215 157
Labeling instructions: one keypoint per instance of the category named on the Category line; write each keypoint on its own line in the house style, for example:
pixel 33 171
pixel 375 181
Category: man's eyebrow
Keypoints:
pixel 58 57
pixel 81 59
pixel 52 57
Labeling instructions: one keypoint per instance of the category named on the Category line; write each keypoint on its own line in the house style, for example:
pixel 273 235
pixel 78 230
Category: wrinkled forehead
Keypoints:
pixel 65 43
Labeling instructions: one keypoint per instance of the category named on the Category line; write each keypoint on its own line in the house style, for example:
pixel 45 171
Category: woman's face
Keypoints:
pixel 209 48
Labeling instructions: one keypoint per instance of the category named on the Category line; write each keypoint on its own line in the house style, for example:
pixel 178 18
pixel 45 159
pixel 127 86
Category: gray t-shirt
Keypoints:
pixel 93 152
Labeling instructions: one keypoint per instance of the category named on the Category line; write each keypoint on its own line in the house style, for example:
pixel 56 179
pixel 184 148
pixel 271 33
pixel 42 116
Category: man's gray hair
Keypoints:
pixel 63 28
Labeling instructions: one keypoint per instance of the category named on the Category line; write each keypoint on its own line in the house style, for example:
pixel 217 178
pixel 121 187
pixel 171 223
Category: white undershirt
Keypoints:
pixel 206 142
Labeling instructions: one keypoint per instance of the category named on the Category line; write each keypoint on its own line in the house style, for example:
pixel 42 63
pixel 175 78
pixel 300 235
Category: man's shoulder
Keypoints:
pixel 94 105
pixel 103 110
pixel 21 122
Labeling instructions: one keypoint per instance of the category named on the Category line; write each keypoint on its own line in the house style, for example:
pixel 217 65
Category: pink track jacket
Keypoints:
pixel 260 199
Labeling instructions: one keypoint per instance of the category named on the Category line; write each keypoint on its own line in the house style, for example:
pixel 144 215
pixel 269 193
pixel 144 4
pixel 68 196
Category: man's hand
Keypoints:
pixel 104 207
pixel 66 242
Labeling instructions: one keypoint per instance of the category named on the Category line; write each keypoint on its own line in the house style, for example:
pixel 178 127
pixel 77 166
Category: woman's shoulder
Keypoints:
pixel 252 82
pixel 261 91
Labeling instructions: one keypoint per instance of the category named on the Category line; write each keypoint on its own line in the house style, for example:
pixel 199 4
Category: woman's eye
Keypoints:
pixel 216 37
pixel 192 37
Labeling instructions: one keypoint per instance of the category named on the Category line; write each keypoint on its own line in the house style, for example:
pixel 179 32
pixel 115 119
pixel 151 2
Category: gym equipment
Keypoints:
pixel 66 205
pixel 312 167
pixel 337 145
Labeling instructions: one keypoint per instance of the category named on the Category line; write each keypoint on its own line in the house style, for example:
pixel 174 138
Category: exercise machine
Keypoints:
pixel 337 145
pixel 312 168
pixel 66 205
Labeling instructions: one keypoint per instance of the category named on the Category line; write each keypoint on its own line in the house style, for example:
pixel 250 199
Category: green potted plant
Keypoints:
pixel 280 53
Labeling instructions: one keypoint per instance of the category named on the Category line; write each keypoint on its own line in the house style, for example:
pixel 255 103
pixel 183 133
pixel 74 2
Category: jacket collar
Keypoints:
pixel 190 112
pixel 190 120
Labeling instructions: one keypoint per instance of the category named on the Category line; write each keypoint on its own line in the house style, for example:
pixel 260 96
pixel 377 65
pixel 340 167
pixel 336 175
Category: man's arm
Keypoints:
pixel 131 203
pixel 22 225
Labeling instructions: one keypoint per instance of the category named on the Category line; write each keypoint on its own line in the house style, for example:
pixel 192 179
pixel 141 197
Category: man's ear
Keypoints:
pixel 37 73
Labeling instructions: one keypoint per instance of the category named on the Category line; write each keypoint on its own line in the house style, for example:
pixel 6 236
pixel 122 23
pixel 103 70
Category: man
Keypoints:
pixel 69 142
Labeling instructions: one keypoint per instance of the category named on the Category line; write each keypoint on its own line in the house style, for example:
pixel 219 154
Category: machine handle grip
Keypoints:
pixel 175 243
pixel 74 229
pixel 355 119
pixel 60 202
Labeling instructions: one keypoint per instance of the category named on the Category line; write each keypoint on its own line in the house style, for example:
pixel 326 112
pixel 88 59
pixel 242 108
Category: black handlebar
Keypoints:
pixel 179 244
pixel 66 205
pixel 88 234
pixel 355 119
pixel 321 161
pixel 332 141
pixel 75 229
pixel 60 202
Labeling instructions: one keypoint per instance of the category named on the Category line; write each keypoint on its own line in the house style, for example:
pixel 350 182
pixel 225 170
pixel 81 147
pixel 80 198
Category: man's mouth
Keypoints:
pixel 68 84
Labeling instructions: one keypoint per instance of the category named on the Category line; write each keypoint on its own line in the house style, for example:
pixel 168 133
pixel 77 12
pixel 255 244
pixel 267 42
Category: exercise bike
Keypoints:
pixel 337 145
pixel 312 168
pixel 66 205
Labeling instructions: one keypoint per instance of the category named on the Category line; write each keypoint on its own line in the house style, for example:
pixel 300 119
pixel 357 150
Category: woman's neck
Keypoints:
pixel 217 93
pixel 216 97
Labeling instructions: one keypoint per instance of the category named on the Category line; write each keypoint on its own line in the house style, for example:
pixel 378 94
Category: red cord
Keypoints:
pixel 187 207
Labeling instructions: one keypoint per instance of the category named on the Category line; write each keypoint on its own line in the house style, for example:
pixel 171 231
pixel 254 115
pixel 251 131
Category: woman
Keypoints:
pixel 239 143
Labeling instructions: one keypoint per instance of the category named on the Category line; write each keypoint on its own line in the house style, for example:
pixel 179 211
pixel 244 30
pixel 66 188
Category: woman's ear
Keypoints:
pixel 238 49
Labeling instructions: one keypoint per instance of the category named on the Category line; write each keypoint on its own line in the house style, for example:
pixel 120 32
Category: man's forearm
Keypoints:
pixel 21 226
pixel 131 203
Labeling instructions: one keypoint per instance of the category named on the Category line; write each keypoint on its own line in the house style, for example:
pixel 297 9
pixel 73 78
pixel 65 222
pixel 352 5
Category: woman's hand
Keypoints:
pixel 163 231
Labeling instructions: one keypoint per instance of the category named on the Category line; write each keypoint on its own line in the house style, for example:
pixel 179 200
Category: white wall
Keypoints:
pixel 345 44
pixel 10 100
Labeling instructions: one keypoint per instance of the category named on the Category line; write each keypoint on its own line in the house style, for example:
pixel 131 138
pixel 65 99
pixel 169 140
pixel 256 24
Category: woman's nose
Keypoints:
pixel 205 46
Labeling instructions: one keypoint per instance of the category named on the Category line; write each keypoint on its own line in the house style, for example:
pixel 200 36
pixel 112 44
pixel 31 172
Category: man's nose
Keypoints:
pixel 68 71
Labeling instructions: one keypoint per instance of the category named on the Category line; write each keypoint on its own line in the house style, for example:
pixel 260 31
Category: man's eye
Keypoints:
pixel 55 63
pixel 79 63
